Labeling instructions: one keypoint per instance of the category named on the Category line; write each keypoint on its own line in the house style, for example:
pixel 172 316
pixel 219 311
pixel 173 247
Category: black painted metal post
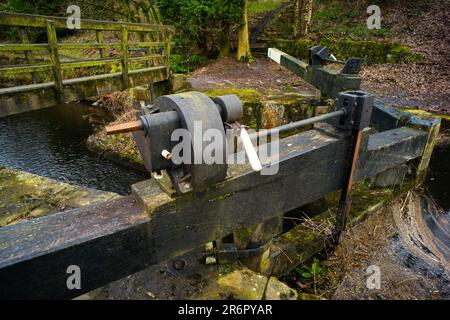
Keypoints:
pixel 359 106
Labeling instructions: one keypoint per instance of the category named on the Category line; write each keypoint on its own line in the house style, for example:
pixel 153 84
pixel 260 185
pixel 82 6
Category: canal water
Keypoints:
pixel 51 142
pixel 438 178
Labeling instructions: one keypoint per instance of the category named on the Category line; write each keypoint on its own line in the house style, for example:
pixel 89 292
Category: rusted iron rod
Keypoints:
pixel 125 127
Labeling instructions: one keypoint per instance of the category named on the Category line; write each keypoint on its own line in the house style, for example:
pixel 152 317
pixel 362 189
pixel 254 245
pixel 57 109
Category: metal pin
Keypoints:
pixel 166 154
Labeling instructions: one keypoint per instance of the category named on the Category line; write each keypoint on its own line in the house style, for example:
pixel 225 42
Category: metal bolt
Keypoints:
pixel 166 154
pixel 179 264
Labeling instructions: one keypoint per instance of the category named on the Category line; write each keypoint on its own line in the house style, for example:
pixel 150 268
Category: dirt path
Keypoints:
pixel 263 21
pixel 418 85
pixel 263 75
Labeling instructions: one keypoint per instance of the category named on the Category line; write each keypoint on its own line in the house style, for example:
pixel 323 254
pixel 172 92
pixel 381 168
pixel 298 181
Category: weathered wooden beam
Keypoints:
pixel 7 71
pixel 24 47
pixel 89 63
pixel 112 240
pixel 151 44
pixel 80 46
pixel 329 82
pixel 29 20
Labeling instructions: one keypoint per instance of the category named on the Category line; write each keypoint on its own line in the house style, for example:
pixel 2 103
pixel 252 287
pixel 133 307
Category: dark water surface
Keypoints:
pixel 438 178
pixel 52 143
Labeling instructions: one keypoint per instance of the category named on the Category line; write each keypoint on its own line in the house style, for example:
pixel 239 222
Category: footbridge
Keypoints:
pixel 40 75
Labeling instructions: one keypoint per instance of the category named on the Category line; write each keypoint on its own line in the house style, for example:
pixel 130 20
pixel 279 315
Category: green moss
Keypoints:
pixel 425 113
pixel 245 94
pixel 255 7
pixel 344 48
pixel 24 196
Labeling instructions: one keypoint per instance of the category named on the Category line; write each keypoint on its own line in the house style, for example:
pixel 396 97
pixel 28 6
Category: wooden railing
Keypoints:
pixel 156 57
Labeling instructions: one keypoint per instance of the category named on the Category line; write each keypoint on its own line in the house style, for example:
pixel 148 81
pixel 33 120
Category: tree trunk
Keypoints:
pixel 243 52
pixel 225 43
pixel 305 17
pixel 297 15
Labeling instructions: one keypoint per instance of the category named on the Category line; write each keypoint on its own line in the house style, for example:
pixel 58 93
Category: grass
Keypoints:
pixel 261 6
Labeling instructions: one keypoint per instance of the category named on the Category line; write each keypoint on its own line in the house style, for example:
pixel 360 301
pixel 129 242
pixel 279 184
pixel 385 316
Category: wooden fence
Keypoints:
pixel 156 57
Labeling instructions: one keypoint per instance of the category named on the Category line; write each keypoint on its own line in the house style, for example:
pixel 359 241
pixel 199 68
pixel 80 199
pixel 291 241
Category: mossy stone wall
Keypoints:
pixel 372 51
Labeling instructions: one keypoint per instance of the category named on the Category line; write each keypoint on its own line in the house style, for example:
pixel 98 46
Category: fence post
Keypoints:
pixel 100 39
pixel 125 79
pixel 54 59
pixel 167 52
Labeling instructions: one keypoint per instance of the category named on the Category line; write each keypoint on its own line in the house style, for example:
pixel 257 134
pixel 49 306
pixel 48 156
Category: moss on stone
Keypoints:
pixel 344 48
pixel 236 285
pixel 270 110
pixel 246 95
pixel 425 113
pixel 24 196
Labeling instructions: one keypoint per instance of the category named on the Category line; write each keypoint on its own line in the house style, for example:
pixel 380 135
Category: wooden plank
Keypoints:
pixel 145 58
pixel 328 81
pixel 11 70
pixel 74 46
pixel 28 20
pixel 89 63
pixel 112 240
pixel 24 69
pixel 24 47
pixel 148 44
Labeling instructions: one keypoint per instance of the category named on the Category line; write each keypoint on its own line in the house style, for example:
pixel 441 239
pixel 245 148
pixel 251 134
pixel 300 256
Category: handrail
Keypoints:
pixel 38 21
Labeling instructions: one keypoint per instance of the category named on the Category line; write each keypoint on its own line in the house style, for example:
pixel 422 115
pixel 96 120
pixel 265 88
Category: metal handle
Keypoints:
pixel 250 150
